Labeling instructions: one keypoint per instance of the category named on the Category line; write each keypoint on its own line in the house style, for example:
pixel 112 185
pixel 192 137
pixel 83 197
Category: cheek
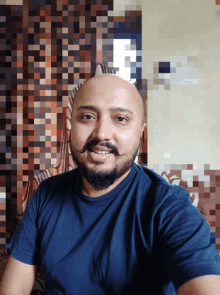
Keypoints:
pixel 77 136
pixel 130 141
pixel 127 142
pixel 128 136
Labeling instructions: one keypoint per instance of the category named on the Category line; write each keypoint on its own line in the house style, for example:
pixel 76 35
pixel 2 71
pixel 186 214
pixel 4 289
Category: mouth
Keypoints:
pixel 101 152
pixel 98 156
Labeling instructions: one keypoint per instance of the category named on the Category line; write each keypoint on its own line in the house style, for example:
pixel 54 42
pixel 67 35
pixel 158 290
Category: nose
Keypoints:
pixel 103 130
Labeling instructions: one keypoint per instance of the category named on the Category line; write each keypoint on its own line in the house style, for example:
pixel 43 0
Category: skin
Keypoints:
pixel 106 128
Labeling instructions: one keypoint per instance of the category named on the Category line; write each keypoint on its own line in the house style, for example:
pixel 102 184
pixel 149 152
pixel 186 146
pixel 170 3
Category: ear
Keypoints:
pixel 142 132
pixel 143 127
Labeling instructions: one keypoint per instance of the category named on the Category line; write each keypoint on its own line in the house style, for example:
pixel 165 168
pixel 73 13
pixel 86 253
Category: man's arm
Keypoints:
pixel 205 285
pixel 18 278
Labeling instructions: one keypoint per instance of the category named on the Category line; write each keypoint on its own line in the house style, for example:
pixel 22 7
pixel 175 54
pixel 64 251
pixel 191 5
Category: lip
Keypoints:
pixel 96 157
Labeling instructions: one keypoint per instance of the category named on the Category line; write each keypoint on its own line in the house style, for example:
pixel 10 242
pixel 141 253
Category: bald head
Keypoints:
pixel 113 84
pixel 106 112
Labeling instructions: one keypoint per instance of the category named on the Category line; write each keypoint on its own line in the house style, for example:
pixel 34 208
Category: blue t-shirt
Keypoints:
pixel 143 237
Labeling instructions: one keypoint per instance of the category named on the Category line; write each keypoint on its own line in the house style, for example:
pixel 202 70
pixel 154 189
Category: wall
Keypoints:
pixel 181 62
pixel 183 102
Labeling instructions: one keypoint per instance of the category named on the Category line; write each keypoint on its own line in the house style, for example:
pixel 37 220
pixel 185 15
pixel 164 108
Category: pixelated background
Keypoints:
pixel 48 47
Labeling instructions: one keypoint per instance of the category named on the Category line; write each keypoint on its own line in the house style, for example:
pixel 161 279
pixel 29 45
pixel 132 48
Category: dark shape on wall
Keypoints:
pixel 164 67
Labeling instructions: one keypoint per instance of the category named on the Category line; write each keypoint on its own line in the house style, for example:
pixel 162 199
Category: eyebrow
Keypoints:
pixel 95 108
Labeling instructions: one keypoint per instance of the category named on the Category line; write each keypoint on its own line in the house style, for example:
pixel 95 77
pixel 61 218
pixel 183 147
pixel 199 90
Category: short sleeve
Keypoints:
pixel 184 237
pixel 25 244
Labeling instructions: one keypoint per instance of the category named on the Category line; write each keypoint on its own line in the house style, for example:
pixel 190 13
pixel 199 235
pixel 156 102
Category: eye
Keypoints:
pixel 117 118
pixel 122 118
pixel 85 116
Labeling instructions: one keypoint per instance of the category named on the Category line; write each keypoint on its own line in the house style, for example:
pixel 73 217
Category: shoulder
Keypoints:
pixel 155 186
pixel 58 181
pixel 150 175
pixel 55 186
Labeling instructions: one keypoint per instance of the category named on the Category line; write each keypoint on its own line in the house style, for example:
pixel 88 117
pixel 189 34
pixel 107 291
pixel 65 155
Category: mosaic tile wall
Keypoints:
pixel 46 49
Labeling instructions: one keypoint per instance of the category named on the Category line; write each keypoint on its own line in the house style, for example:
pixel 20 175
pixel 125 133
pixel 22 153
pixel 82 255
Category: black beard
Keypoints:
pixel 103 179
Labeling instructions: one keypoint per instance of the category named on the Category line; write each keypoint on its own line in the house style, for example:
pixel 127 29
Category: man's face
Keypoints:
pixel 113 130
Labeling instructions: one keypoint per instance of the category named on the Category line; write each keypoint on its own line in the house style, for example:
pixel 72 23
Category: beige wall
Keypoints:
pixel 183 122
pixel 121 5
pixel 11 2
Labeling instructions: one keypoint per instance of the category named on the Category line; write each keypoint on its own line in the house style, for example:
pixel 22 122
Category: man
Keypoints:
pixel 111 226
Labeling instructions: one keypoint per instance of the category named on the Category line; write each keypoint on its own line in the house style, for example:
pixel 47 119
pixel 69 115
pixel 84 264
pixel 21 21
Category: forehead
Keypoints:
pixel 107 90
